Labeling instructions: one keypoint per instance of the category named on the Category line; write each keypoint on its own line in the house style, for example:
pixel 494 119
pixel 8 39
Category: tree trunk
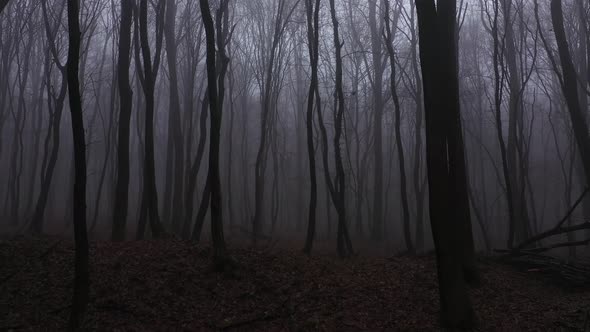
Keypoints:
pixel 215 106
pixel 441 101
pixel 398 133
pixel 377 230
pixel 175 138
pixel 313 31
pixel 150 73
pixel 194 172
pixel 81 279
pixel 570 88
pixel 344 244
pixel 126 104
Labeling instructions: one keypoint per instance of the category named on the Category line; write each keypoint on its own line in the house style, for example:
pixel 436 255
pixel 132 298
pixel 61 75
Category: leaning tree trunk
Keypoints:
pixel 81 279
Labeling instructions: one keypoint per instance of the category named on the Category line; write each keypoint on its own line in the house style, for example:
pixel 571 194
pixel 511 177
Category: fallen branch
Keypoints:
pixel 558 229
pixel 553 232
pixel 561 245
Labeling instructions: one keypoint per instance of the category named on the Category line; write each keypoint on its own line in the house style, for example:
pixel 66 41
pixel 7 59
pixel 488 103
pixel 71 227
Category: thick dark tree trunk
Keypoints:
pixel 448 217
pixel 126 101
pixel 81 279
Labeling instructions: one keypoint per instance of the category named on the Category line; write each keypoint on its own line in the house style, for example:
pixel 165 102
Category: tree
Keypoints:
pixel 267 82
pixel 388 34
pixel 175 148
pixel 126 101
pixel 376 47
pixel 313 31
pixel 55 112
pixel 338 190
pixel 451 227
pixel 81 279
pixel 150 73
pixel 569 86
pixel 499 76
pixel 215 83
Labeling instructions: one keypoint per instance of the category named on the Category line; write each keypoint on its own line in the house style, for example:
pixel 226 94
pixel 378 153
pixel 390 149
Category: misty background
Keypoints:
pixel 507 52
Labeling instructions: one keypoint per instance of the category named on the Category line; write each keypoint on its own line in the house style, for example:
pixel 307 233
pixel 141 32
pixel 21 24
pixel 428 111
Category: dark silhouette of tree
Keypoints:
pixel 569 85
pixel 269 91
pixel 376 46
pixel 175 149
pixel 150 73
pixel 81 279
pixel 126 104
pixel 55 107
pixel 192 178
pixel 498 93
pixel 222 62
pixel 216 84
pixel 449 205
pixel 344 244
pixel 313 31
pixel 388 35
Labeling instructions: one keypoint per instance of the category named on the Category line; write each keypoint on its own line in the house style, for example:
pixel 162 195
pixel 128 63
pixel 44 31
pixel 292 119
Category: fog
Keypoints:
pixel 509 71
pixel 294 164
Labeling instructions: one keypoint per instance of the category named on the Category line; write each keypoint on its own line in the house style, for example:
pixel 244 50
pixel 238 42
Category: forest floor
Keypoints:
pixel 170 285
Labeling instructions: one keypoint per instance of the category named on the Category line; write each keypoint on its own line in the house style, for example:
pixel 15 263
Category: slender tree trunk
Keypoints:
pixel 313 31
pixel 215 107
pixel 81 279
pixel 121 202
pixel 417 177
pixel 174 165
pixel 55 106
pixel 377 229
pixel 194 172
pixel 150 73
pixel 344 244
pixel 398 135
